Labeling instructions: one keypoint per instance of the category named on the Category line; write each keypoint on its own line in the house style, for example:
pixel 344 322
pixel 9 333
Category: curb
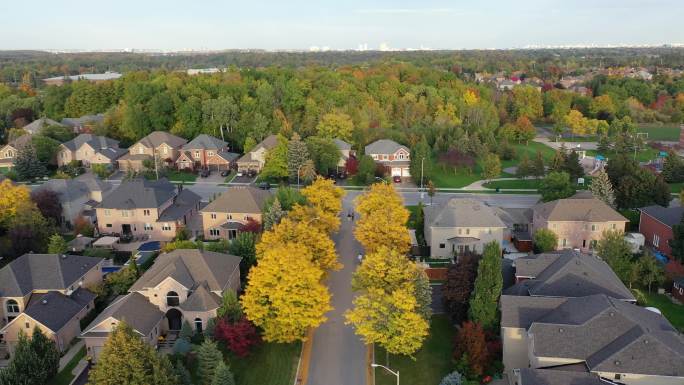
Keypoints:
pixel 370 358
pixel 304 360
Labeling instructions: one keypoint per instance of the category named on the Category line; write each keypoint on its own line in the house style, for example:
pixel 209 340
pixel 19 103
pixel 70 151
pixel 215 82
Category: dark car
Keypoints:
pixel 396 179
pixel 204 173
pixel 225 172
pixel 265 186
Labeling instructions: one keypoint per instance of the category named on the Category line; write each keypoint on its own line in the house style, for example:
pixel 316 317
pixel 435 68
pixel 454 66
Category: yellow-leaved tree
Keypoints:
pixel 284 294
pixel 384 269
pixel 321 248
pixel 383 220
pixel 315 217
pixel 11 198
pixel 324 195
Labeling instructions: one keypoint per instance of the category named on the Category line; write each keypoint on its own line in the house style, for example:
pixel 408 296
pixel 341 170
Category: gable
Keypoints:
pixel 184 157
pixel 18 324
pixel 401 151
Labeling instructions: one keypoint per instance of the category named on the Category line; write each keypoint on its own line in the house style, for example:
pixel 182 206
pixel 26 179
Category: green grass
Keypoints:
pixel 676 187
pixel 531 184
pixel 181 176
pixel 673 312
pixel 65 377
pixel 644 155
pixel 660 133
pixel 432 362
pixel 230 176
pixel 412 224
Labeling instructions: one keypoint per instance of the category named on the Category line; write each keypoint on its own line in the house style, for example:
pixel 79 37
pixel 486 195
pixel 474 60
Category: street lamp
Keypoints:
pixel 422 193
pixel 387 369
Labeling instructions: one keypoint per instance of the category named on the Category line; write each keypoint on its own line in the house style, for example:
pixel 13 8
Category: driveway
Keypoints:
pixel 245 179
pixel 338 356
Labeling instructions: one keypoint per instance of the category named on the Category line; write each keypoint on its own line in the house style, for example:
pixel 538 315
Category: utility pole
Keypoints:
pixel 421 178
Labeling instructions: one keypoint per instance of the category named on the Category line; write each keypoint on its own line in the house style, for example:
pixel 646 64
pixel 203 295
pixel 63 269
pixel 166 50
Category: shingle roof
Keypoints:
pixel 529 376
pixel 228 156
pixel 43 272
pixel 384 146
pixel 190 268
pixel 157 138
pixel 341 144
pixel 669 216
pixel 70 190
pixel 242 199
pixel 459 212
pixel 185 201
pixel 609 335
pixel 568 274
pixel 139 193
pixel 85 119
pixel 38 124
pixel 134 309
pixel 21 141
pixel 205 142
pixel 268 143
pixel 201 299
pixel 54 309
pixel 577 209
pixel 520 312
pixel 99 143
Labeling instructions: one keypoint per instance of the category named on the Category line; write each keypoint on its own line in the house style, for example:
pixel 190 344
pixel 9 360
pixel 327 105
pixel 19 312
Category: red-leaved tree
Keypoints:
pixel 352 165
pixel 240 337
pixel 471 340
pixel 251 226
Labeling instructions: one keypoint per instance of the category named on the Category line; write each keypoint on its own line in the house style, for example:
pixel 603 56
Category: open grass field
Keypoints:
pixel 432 362
pixel 644 155
pixel 660 133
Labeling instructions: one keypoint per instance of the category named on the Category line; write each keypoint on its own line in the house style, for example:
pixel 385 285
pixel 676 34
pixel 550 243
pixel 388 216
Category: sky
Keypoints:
pixel 340 24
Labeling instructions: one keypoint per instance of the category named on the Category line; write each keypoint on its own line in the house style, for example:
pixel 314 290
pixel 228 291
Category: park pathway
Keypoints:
pixel 338 355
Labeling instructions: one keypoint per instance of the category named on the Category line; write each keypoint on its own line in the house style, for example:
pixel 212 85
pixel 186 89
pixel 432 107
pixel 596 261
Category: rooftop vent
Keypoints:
pixel 44 301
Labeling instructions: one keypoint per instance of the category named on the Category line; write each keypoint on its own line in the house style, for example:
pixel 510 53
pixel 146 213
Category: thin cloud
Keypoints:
pixel 409 11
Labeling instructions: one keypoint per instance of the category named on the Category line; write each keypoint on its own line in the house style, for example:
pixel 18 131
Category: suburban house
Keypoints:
pixel 205 152
pixel 89 149
pixel 224 217
pixel 84 124
pixel 461 226
pixel 345 152
pixel 93 78
pixel 566 274
pixel 528 376
pixel 655 223
pixel 678 289
pixel 159 145
pixel 181 286
pixel 48 291
pixel 37 125
pixel 149 209
pixel 578 222
pixel 78 197
pixel 8 152
pixel 395 157
pixel 256 157
pixel 517 221
pixel 616 340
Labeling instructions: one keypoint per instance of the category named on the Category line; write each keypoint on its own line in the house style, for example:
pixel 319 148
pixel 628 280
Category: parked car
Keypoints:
pixel 396 179
pixel 225 172
pixel 252 173
pixel 205 173
pixel 265 186
pixel 239 173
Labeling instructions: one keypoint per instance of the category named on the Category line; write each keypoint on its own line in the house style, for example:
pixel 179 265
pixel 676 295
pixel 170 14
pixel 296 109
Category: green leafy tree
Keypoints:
pixel 335 125
pixel 366 170
pixel 297 155
pixel 615 250
pixel 524 167
pixel 324 153
pixel 209 358
pixel 556 185
pixel 57 245
pixel 35 361
pixel 603 145
pixel 276 161
pixel 650 271
pixel 573 167
pixel 46 148
pixel 249 144
pixel 491 166
pixel 545 240
pixel 488 285
pixel 673 168
pixel 602 189
pixel 27 165
pixel 423 293
pixel 244 246
pixel 230 307
pixel 421 161
pixel 538 167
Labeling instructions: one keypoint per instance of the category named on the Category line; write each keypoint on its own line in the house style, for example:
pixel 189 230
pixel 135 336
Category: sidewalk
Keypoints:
pixel 70 354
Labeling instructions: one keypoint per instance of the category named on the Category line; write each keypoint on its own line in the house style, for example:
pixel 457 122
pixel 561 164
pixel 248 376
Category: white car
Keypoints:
pixel 239 173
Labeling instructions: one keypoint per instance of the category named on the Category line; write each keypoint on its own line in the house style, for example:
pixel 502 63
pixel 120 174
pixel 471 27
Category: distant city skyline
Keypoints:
pixel 175 25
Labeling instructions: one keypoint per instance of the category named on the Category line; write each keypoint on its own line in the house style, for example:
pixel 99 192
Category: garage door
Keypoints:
pixel 405 172
pixel 396 171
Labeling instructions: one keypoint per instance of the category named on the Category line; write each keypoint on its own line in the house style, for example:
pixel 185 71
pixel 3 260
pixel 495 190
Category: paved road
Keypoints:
pixel 338 355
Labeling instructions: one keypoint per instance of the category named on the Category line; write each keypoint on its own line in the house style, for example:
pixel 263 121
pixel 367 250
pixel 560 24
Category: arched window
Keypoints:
pixel 198 325
pixel 172 298
pixel 12 306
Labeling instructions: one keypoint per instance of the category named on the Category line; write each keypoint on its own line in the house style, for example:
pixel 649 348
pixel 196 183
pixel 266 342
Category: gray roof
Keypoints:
pixel 85 119
pixel 91 77
pixel 134 309
pixel 70 190
pixel 201 299
pixel 205 142
pixel 43 272
pixel 341 144
pixel 190 268
pixel 21 141
pixel 568 274
pixel 139 193
pixel 98 143
pixel 513 216
pixel 184 202
pixel 528 376
pixel 268 143
pixel 460 212
pixel 157 138
pixel 228 156
pixel 38 124
pixel 241 199
pixel 520 312
pixel 610 336
pixel 54 309
pixel 669 216
pixel 384 146
pixel 577 209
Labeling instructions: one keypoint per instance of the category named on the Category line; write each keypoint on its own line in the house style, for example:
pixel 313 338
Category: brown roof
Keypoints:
pixel 577 209
pixel 156 138
pixel 239 200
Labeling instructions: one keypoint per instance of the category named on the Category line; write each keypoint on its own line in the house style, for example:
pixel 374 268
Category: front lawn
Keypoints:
pixel 676 187
pixel 673 312
pixel 660 133
pixel 520 184
pixel 181 176
pixel 432 362
pixel 65 377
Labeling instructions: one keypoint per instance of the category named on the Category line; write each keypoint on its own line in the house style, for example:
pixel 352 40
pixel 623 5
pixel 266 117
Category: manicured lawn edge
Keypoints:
pixel 65 377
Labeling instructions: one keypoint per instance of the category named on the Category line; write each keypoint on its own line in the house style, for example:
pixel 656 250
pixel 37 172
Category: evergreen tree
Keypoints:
pixel 524 167
pixel 677 241
pixel 602 189
pixel 186 331
pixel 673 168
pixel 184 377
pixel 488 285
pixel 230 307
pixel 538 165
pixel 573 167
pixel 27 166
pixel 423 292
pixel 558 161
pixel 273 215
pixel 453 378
pixel 223 375
pixel 297 155
pixel 603 145
pixel 209 357
pixel 210 329
pixel 47 353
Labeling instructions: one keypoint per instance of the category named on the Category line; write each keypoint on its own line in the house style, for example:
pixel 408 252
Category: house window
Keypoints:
pixel 141 150
pixel 564 242
pixel 148 227
pixel 232 234
pixel 385 157
pixel 12 306
pixel 467 231
pixel 146 212
pixel 213 215
pixel 460 231
pixel 107 212
pixel 230 216
pixel 165 150
pixel 489 231
pixel 109 225
pixel 400 156
pixel 553 226
pixel 166 227
pixel 210 153
pixel 197 154
pixel 656 240
pixel 613 226
pixel 441 245
pixel 593 227
pixel 124 213
pixel 27 325
pixel 172 298
pixel 214 232
pixel 198 325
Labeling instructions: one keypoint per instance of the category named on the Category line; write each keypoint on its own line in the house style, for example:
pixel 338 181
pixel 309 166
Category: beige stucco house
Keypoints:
pixel 345 152
pixel 255 159
pixel 89 149
pixel 9 152
pixel 159 145
pixel 181 286
pixel 461 226
pixel 47 291
pixel 155 209
pixel 223 217
pixel 578 222
pixel 78 197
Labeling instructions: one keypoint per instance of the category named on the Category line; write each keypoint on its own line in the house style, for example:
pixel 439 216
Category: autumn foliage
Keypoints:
pixel 471 341
pixel 240 337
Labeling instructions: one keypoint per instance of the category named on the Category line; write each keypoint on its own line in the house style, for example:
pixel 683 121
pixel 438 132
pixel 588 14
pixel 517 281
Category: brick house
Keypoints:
pixel 655 223
pixel 205 152
pixel 395 157
pixel 166 147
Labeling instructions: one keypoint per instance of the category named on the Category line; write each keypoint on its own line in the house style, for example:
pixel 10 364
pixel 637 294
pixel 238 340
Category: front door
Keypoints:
pixel 126 229
pixel 174 318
